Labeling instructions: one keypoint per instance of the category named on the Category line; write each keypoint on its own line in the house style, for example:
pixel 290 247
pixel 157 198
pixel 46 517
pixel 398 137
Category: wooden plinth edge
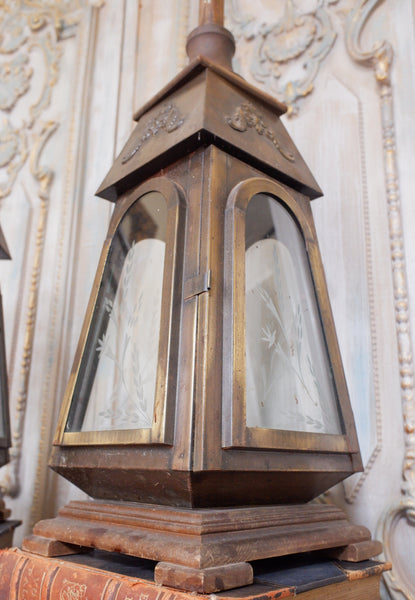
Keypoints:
pixel 204 581
pixel 356 552
pixel 49 547
pixel 201 549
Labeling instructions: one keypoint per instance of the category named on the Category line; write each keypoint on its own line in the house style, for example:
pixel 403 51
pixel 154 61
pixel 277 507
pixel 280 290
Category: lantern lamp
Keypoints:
pixel 207 404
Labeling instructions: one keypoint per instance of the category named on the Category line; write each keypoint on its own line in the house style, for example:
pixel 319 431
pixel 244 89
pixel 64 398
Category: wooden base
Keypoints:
pixel 206 549
pixel 204 581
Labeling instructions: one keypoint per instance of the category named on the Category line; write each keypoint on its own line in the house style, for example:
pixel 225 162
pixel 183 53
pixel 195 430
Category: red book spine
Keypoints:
pixel 25 576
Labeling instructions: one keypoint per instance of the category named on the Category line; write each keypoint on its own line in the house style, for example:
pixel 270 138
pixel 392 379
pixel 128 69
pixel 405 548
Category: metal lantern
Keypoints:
pixel 207 403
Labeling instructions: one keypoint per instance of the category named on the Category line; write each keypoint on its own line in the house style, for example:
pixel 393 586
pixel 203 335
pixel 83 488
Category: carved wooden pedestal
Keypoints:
pixel 204 550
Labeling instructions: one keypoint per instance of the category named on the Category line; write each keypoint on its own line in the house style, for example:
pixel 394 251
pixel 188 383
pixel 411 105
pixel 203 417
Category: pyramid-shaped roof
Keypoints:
pixel 209 104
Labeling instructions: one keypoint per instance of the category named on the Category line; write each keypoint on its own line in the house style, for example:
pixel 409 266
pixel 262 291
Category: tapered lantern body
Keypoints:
pixel 207 403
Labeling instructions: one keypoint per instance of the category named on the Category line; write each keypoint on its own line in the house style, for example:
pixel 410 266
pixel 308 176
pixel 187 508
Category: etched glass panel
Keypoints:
pixel 117 378
pixel 289 384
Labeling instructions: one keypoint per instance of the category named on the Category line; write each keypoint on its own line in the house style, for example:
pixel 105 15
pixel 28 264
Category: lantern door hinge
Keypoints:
pixel 197 285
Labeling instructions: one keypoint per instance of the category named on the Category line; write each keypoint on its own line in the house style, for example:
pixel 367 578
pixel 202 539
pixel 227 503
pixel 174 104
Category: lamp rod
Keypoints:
pixel 211 12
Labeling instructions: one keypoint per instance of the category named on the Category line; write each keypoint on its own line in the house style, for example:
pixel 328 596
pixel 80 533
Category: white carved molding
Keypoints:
pixel 35 204
pixel 30 49
pixel 286 55
pixel 379 57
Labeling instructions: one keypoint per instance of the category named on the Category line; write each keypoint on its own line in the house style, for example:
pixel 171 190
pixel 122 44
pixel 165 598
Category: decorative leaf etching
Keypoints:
pixel 168 119
pixel 281 380
pixel 300 34
pixel 246 116
pixel 13 154
pixel 124 318
pixel 122 396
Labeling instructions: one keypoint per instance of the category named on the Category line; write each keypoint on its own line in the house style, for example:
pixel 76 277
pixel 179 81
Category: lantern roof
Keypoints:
pixel 207 103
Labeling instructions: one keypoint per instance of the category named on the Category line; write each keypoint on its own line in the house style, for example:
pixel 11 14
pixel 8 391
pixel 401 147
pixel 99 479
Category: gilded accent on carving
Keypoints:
pixel 395 582
pixel 247 117
pixel 300 36
pixel 380 56
pixel 380 59
pixel 14 80
pixel 168 119
pixel 11 482
pixel 52 54
pixel 13 154
pixel 44 176
pixel 28 27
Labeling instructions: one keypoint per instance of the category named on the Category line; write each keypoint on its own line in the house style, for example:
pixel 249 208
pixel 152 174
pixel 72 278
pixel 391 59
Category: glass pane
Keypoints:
pixel 116 385
pixel 289 383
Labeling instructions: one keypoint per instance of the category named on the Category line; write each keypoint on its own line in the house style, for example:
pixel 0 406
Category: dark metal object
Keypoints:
pixel 5 437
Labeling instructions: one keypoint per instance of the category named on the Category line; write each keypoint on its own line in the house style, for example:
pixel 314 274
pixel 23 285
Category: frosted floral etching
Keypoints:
pixel 122 396
pixel 288 384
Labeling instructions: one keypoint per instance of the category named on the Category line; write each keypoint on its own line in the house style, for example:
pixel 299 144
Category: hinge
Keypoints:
pixel 196 285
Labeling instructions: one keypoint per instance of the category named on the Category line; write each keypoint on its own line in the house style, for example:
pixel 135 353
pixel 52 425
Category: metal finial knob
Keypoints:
pixel 210 39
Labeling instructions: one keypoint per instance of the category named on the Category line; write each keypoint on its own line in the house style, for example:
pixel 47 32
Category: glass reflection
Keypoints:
pixel 289 383
pixel 117 382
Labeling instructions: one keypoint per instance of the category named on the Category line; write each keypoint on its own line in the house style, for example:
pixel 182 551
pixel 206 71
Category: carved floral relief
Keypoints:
pixel 14 80
pixel 28 29
pixel 285 55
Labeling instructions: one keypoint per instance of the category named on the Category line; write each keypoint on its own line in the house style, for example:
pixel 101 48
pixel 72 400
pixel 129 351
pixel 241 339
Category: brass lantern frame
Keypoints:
pixel 235 433
pixel 162 430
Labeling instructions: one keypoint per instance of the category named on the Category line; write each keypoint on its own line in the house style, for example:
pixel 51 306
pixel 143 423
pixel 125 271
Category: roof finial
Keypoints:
pixel 210 39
